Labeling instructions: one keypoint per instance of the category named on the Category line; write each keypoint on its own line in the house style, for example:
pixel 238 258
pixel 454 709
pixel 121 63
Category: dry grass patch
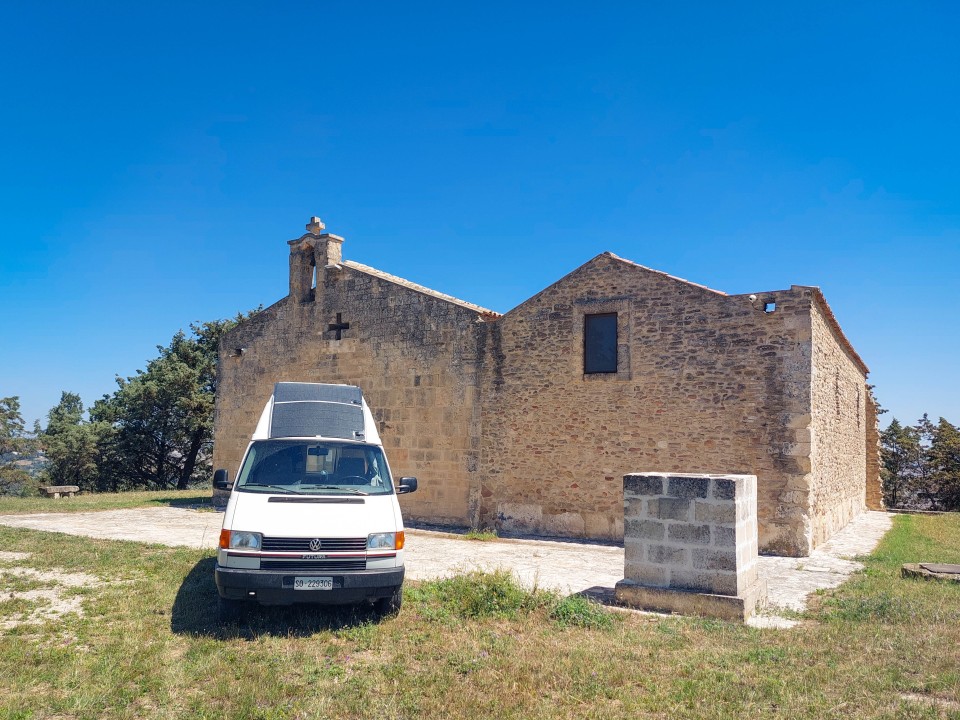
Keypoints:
pixel 478 646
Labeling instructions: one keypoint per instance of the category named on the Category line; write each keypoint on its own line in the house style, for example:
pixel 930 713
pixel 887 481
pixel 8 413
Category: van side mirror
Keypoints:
pixel 407 485
pixel 221 480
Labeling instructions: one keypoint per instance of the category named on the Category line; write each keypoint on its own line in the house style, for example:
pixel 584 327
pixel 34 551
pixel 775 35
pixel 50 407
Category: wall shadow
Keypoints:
pixel 195 612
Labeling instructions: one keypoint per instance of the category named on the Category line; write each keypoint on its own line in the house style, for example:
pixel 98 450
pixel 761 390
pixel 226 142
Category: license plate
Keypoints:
pixel 313 583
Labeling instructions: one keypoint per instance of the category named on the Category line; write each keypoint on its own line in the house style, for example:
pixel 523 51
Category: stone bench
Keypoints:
pixel 57 491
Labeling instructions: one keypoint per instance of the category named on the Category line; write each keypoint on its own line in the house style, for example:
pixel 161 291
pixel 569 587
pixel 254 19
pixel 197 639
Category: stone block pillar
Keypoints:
pixel 691 544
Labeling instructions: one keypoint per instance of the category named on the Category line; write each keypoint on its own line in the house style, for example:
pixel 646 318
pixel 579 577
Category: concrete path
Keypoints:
pixel 565 566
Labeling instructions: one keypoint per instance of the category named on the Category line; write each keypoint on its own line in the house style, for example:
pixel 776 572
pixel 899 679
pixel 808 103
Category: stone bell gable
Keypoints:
pixel 527 422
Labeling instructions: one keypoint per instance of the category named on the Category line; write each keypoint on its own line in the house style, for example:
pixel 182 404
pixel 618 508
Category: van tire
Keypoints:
pixel 390 605
pixel 231 612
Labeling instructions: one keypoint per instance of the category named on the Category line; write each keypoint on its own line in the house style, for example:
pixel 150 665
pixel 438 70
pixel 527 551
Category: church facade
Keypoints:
pixel 526 422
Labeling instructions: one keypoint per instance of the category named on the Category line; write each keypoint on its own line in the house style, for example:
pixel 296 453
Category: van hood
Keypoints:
pixel 312 516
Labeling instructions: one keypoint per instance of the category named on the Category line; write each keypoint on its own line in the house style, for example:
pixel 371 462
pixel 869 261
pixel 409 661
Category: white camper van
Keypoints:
pixel 313 515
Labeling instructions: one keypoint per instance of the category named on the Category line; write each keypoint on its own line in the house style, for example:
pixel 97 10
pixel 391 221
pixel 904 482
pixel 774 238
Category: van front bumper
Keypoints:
pixel 270 587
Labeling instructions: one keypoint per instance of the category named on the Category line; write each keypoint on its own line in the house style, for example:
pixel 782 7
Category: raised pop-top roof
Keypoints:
pixel 316 409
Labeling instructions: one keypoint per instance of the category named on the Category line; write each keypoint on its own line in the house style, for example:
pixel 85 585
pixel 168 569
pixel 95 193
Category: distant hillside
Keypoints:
pixel 32 463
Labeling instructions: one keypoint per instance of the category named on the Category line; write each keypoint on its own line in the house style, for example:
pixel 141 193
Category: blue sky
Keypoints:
pixel 156 157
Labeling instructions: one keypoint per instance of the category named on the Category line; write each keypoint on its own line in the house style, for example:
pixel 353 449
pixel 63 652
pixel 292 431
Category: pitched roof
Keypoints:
pixel 629 263
pixel 366 269
pixel 666 275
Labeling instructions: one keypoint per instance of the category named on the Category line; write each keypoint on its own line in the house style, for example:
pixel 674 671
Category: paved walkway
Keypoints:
pixel 565 566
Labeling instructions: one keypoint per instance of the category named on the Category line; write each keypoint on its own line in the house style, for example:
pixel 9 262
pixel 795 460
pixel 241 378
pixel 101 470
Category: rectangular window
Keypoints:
pixel 600 343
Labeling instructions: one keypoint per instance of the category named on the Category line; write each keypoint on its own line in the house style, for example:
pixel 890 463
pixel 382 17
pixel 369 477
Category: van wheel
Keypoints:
pixel 390 605
pixel 231 611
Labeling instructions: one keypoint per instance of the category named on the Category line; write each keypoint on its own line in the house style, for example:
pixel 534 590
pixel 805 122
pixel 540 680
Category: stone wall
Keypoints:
pixel 838 430
pixel 874 481
pixel 498 419
pixel 688 533
pixel 407 350
pixel 704 381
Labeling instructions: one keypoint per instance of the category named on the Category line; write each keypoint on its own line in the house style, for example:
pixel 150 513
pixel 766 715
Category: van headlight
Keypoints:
pixel 385 541
pixel 241 540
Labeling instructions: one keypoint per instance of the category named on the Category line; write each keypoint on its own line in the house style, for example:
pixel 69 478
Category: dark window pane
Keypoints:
pixel 600 343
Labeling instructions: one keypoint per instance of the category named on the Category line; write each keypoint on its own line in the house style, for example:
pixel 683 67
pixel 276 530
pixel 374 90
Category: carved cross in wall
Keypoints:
pixel 339 326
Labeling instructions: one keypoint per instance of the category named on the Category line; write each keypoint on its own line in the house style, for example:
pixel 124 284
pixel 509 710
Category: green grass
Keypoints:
pixel 480 535
pixel 87 502
pixel 478 646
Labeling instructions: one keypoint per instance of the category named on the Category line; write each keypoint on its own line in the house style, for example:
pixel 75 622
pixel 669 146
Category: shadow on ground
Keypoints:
pixel 195 613
pixel 192 502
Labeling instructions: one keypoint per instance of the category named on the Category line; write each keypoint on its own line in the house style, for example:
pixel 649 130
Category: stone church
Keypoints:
pixel 527 421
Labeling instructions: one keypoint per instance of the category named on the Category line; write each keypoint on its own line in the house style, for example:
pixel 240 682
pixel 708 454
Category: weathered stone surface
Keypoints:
pixel 874 492
pixel 931 571
pixel 667 555
pixel 714 513
pixel 724 489
pixel 713 560
pixel 640 485
pixel 689 487
pixel 726 607
pixel 668 508
pixel 697 534
pixel 724 536
pixel 839 431
pixel 644 529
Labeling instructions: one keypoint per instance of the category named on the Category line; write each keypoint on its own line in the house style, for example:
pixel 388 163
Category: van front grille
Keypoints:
pixel 289 544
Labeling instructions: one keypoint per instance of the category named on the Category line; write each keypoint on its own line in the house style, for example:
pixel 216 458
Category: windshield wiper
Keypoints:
pixel 278 488
pixel 351 491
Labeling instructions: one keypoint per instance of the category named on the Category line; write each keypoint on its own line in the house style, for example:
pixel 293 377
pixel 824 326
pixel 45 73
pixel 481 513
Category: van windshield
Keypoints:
pixel 311 467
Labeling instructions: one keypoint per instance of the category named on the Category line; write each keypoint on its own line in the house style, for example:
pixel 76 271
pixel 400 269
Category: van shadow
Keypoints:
pixel 195 613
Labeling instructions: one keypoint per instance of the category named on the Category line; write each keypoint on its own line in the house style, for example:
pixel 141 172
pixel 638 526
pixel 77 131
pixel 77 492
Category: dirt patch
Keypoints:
pixel 35 605
pixel 931 700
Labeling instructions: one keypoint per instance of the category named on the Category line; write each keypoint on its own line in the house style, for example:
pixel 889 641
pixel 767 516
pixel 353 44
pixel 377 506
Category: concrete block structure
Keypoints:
pixel 527 421
pixel 691 544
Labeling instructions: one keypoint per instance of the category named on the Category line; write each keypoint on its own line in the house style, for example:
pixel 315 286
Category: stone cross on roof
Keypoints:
pixel 315 226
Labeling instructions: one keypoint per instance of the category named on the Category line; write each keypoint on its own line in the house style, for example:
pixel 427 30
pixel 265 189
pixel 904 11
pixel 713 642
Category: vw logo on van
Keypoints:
pixel 315 544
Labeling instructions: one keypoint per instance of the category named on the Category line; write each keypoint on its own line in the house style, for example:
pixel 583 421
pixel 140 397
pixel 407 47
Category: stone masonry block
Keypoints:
pixel 713 560
pixel 646 574
pixel 692 580
pixel 667 555
pixel 725 513
pixel 643 529
pixel 669 508
pixel 689 487
pixel 725 583
pixel 634 552
pixel 642 485
pixel 724 537
pixel 693 534
pixel 724 489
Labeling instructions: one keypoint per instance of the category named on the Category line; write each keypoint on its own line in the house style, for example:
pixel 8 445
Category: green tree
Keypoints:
pixel 14 442
pixel 943 457
pixel 163 416
pixel 76 450
pixel 900 452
